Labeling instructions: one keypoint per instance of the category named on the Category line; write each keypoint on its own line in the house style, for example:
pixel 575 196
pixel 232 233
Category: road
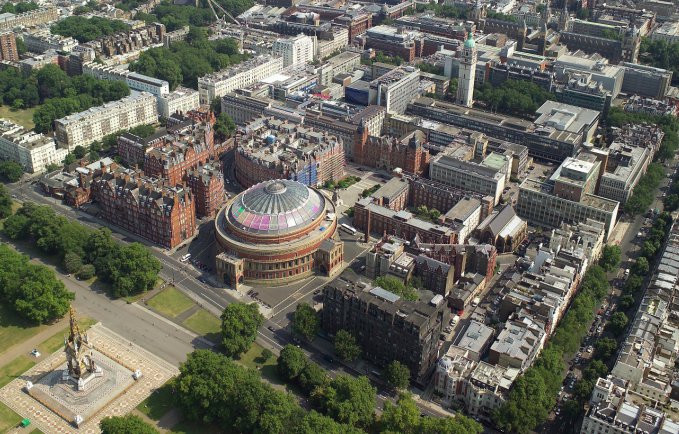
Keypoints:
pixel 167 340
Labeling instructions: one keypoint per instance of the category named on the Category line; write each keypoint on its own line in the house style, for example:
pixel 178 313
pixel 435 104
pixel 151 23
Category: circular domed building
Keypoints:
pixel 277 232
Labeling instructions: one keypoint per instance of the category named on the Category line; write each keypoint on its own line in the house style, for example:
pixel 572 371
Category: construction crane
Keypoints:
pixel 212 4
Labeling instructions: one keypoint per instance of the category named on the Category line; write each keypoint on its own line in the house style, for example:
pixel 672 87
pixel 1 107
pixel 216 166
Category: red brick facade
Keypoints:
pixel 390 152
pixel 162 214
pixel 187 150
pixel 207 185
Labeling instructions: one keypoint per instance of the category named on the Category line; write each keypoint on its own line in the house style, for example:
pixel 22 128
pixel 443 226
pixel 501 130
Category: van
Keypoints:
pixel 185 257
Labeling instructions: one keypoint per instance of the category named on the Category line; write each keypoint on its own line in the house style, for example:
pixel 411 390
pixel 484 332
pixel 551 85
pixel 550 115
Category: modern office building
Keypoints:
pixel 395 89
pixel 625 166
pixel 81 129
pixel 277 232
pixel 485 179
pixel 386 326
pixel 33 151
pixel 539 203
pixel 218 84
pixel 646 80
pixel 298 50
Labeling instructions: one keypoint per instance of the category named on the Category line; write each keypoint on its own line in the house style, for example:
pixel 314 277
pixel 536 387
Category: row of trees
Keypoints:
pixel 669 124
pixel 50 82
pixel 31 290
pixel 513 97
pixel 644 192
pixel 129 269
pixel 534 393
pixel 88 29
pixel 351 401
pixel 671 201
pixel 184 62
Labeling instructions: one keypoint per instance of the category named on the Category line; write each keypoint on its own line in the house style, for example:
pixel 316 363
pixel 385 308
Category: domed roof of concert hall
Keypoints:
pixel 276 207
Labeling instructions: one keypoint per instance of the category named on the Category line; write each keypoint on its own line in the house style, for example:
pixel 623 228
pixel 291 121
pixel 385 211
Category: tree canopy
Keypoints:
pixel 87 29
pixel 10 171
pixel 240 322
pixel 610 257
pixel 513 97
pixel 404 418
pixel 129 269
pixel 395 285
pixel 126 425
pixel 346 346
pixel 184 62
pixel 661 54
pixel 348 400
pixel 31 290
pixel 397 375
pixel 305 322
pixel 5 202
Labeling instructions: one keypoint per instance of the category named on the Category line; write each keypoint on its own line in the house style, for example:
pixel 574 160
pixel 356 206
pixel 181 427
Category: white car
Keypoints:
pixel 35 352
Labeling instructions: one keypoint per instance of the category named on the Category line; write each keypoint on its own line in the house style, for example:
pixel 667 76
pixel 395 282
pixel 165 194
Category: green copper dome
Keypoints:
pixel 469 43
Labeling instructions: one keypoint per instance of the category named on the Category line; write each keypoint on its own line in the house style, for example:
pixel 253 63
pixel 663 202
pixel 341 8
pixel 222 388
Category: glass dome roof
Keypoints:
pixel 276 207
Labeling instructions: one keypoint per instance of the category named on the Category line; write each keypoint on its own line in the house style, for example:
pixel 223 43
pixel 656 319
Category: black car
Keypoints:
pixel 328 358
pixel 271 329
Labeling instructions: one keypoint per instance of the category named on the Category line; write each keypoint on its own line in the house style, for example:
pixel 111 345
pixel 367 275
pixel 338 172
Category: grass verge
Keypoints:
pixel 170 302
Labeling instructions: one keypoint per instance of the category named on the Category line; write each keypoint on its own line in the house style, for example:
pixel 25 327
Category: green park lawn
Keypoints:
pixel 21 117
pixel 158 403
pixel 170 302
pixel 204 323
pixel 8 418
pixel 15 368
pixel 14 329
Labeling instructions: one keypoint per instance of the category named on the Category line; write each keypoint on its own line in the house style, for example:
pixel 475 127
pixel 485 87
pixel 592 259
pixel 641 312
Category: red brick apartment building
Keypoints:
pixel 207 185
pixel 165 215
pixel 185 151
pixel 391 152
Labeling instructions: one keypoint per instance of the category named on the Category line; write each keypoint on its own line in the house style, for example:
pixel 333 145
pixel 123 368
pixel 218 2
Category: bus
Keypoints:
pixel 346 228
pixel 186 257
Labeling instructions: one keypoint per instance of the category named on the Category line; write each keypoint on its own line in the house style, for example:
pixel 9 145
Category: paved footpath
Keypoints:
pixel 28 345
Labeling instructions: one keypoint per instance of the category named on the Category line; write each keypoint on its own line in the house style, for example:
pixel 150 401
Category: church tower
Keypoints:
pixel 467 73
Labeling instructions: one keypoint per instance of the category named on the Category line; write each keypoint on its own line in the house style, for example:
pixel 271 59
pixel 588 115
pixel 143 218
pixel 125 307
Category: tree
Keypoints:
pixel 404 417
pixel 316 423
pixel 305 322
pixel 617 323
pixel 5 202
pixel 291 362
pixel 79 152
pixel 125 425
pixel 346 347
pixel 11 171
pixel 211 388
pixel 397 375
pixel 633 284
pixel 604 348
pixel 582 13
pixel 224 127
pixel 31 290
pixel 73 262
pixel 626 301
pixel 610 257
pixel 266 354
pixel 88 29
pixel 86 272
pixel 648 249
pixel 348 400
pixel 596 369
pixel 396 286
pixel 641 267
pixel 239 327
pixel 312 376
